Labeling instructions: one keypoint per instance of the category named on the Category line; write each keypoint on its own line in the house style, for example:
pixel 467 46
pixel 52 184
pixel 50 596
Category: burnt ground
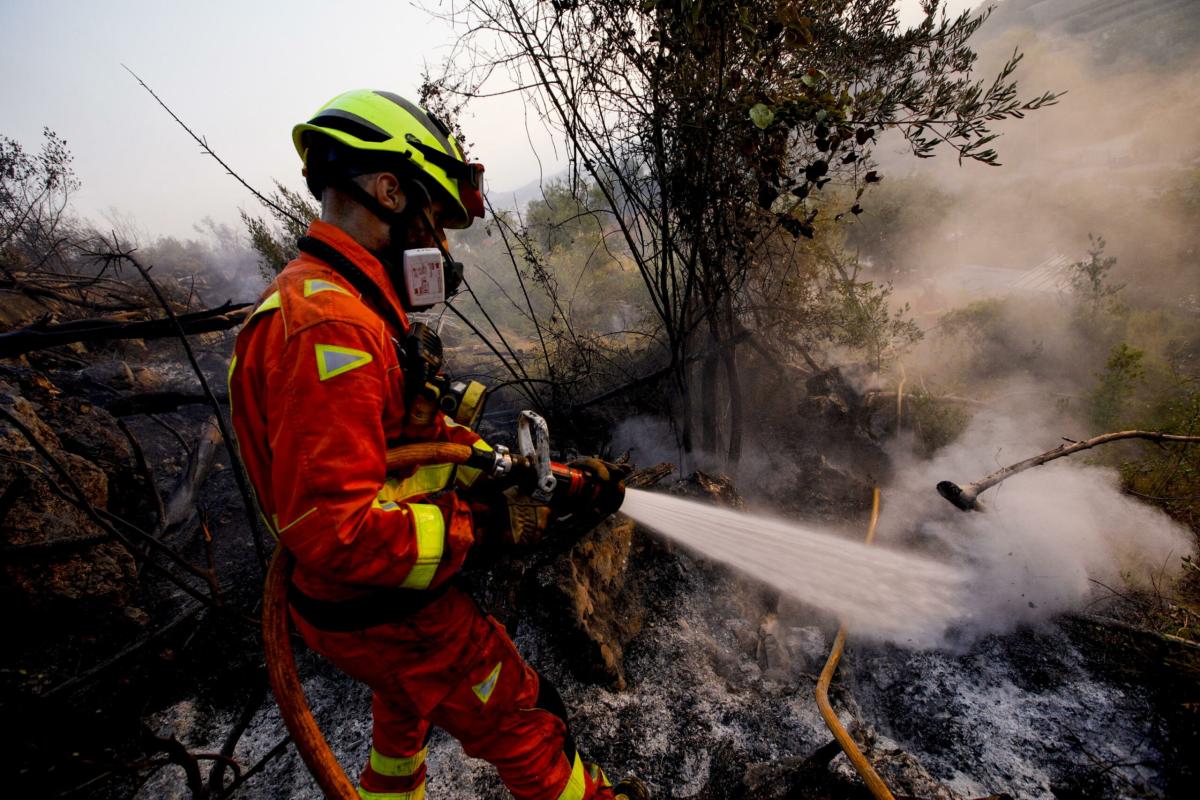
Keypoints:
pixel 719 678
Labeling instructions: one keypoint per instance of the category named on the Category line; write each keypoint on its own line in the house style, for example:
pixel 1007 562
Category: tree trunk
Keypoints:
pixel 733 385
pixel 709 426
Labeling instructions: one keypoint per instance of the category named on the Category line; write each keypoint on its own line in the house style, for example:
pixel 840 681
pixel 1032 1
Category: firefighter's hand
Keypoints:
pixel 609 481
pixel 510 519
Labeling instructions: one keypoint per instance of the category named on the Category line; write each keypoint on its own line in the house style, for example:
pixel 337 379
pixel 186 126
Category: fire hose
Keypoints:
pixel 546 481
pixel 281 661
pixel 879 789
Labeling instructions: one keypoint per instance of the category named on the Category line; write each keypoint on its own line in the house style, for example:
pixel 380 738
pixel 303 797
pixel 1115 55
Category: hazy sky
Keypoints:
pixel 241 74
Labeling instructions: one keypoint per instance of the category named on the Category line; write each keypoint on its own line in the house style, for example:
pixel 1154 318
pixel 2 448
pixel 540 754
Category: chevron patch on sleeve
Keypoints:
pixel 333 360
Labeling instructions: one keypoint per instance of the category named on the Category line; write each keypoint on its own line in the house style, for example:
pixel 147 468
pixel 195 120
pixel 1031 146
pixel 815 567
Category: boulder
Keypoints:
pixel 56 554
pixel 600 608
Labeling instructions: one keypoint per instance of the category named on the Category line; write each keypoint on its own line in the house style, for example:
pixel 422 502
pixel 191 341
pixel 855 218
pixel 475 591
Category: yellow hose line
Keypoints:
pixel 870 777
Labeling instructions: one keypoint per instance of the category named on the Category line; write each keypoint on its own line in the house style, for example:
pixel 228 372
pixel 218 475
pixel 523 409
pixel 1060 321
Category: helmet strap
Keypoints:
pixel 453 269
pixel 419 203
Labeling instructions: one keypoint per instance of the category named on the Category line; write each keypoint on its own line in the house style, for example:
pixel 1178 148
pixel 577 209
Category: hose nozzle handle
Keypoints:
pixel 533 443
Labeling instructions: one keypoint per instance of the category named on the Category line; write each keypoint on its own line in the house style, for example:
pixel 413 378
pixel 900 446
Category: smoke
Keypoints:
pixel 1116 156
pixel 1054 539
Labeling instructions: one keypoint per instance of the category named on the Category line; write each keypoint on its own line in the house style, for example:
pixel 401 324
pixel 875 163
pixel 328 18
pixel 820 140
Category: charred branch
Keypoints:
pixel 180 506
pixel 115 254
pixel 156 403
pixel 84 678
pixel 966 498
pixel 39 337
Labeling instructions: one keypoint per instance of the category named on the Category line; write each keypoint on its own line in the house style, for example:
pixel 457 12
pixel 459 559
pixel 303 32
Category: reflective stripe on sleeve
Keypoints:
pixel 576 784
pixel 426 480
pixel 430 530
pixel 399 767
pixel 467 475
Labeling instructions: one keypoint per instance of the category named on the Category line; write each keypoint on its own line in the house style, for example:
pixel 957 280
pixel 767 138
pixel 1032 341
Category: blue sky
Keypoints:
pixel 241 74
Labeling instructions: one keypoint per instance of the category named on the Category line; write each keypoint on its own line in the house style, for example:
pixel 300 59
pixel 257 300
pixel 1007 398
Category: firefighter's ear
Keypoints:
pixel 389 192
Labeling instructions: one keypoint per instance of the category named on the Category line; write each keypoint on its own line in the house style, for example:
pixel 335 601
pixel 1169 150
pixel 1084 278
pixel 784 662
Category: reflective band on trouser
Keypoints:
pixel 576 784
pixel 430 529
pixel 416 794
pixel 398 767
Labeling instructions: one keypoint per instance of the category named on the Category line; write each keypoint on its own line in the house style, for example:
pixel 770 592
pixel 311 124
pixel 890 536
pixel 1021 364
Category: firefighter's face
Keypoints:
pixel 417 233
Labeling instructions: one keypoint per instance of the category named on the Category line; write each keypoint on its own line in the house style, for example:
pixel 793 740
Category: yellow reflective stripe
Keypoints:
pixel 229 376
pixel 396 767
pixel 272 302
pixel 426 480
pixel 576 784
pixel 316 285
pixel 467 475
pixel 430 529
pixel 598 776
pixel 416 794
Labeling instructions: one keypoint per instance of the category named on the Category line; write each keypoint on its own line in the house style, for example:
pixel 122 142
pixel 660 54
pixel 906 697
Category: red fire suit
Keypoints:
pixel 316 388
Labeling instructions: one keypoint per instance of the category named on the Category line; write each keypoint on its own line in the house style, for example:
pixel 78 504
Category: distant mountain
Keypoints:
pixel 517 199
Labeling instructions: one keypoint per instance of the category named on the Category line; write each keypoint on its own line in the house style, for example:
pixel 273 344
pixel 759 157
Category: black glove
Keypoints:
pixel 609 482
pixel 510 519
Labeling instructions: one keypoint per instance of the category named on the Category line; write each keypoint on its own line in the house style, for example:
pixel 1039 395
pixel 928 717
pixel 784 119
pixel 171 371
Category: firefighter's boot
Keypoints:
pixel 630 788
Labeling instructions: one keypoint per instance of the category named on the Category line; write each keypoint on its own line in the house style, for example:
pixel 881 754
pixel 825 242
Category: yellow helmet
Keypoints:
pixel 390 131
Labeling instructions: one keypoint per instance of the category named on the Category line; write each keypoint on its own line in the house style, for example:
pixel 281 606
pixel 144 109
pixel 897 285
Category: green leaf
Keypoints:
pixel 761 115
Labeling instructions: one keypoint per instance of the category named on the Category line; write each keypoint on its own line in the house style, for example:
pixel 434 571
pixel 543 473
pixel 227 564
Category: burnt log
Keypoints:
pixel 39 336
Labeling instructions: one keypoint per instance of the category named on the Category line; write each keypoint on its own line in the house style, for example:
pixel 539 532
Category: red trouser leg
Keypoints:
pixel 396 766
pixel 451 666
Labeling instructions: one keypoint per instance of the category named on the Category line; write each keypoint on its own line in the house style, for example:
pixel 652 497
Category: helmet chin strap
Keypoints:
pixel 453 269
pixel 419 203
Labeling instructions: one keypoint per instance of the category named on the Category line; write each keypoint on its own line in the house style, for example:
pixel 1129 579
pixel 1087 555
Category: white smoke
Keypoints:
pixel 1053 539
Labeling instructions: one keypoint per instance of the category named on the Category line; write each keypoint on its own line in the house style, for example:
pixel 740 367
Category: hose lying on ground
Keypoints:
pixel 870 777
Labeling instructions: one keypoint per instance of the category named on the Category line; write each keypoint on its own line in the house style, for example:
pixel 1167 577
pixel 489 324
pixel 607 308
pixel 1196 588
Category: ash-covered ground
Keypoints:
pixel 719 704
pixel 719 676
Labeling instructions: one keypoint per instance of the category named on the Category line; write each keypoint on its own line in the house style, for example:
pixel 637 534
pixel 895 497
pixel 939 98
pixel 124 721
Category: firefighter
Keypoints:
pixel 317 386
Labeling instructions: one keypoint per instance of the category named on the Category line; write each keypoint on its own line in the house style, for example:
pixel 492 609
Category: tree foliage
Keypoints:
pixel 711 128
pixel 274 239
pixel 35 190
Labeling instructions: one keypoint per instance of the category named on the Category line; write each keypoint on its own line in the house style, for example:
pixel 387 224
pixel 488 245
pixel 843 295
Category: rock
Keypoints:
pixel 772 780
pixel 598 616
pixel 57 556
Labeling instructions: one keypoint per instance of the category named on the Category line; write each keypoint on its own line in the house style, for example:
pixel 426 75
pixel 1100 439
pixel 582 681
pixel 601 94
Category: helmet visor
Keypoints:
pixel 470 190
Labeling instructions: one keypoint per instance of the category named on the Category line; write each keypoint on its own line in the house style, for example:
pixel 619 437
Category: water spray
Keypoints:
pixel 879 591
